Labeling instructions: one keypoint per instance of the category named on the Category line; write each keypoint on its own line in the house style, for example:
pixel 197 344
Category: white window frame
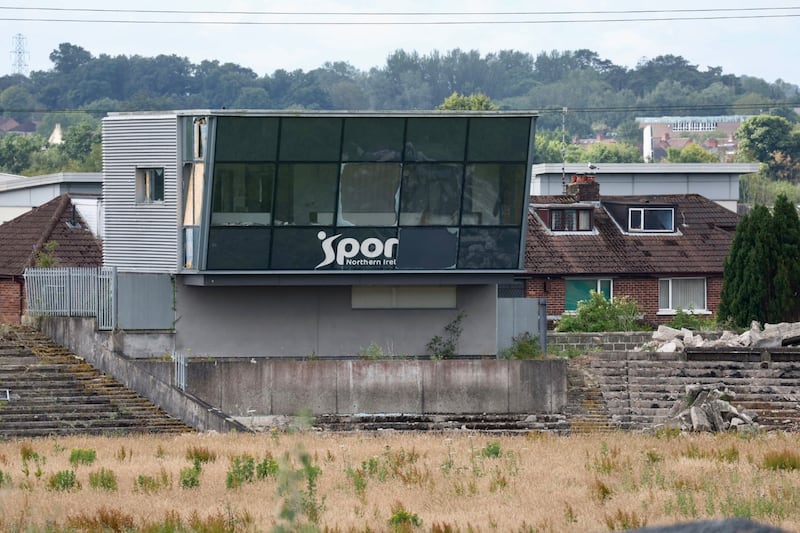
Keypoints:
pixel 146 185
pixel 642 212
pixel 672 310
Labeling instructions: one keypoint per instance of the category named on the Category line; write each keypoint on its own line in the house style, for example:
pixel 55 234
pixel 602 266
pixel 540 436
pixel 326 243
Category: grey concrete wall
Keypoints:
pixel 304 321
pixel 262 387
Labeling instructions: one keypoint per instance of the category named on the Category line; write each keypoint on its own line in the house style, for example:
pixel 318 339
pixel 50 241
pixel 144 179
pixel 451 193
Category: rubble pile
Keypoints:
pixel 667 339
pixel 707 408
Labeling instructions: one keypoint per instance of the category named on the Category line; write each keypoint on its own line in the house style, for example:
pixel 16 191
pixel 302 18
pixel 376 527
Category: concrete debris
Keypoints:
pixel 706 408
pixel 667 339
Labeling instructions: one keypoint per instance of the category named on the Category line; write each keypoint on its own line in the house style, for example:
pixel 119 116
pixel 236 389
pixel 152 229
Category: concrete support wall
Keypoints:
pixel 219 389
pixel 272 387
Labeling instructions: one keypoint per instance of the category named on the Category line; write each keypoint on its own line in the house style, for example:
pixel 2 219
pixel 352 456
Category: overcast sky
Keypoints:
pixel 744 37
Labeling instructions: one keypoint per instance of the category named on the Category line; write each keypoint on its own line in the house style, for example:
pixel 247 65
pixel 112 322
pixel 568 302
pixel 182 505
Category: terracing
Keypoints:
pixel 640 388
pixel 47 390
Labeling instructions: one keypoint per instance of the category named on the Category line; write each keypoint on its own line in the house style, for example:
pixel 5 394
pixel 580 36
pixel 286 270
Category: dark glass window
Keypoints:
pixel 242 194
pixel 498 139
pixel 435 139
pixel 310 139
pixel 246 139
pixel 369 194
pixel 306 194
pixel 656 219
pixel 238 248
pixel 431 194
pixel 489 248
pixel 571 220
pixel 373 139
pixel 300 248
pixel 580 290
pixel 427 248
pixel 493 195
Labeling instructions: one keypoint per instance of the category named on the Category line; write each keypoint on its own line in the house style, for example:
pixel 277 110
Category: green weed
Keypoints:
pixel 103 479
pixel 63 480
pixel 82 457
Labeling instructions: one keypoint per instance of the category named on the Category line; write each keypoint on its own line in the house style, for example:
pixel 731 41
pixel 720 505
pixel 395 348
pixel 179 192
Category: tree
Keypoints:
pixel 473 102
pixel 17 103
pixel 69 57
pixel 761 275
pixel 762 135
pixel 691 153
pixel 16 151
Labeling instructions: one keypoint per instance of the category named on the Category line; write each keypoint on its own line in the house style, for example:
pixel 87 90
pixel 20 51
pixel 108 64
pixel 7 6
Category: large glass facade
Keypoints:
pixel 303 193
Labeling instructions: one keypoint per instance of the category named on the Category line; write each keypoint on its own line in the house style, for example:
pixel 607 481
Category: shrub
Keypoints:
pixel 82 457
pixel 492 450
pixel 447 346
pixel 524 346
pixel 190 477
pixel 598 314
pixel 689 320
pixel 242 470
pixel 103 479
pixel 268 467
pixel 403 520
pixel 63 480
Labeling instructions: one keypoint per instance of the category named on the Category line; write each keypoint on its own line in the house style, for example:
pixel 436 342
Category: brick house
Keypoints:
pixel 664 251
pixel 25 237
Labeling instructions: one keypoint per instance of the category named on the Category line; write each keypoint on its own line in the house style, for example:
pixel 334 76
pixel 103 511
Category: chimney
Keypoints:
pixel 584 188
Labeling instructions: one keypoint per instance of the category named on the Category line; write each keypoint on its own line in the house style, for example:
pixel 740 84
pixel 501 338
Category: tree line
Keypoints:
pixel 578 93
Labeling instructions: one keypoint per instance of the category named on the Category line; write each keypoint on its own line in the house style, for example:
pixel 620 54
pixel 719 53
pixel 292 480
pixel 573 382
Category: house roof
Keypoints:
pixel 22 238
pixel 704 231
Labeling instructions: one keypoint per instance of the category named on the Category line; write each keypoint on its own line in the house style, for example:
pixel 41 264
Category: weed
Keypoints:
pixel 82 457
pixel 104 519
pixel 498 481
pixel 403 520
pixel 447 346
pixel 524 346
pixel 103 479
pixel 600 490
pixel 241 470
pixel 374 352
pixel 5 479
pixel 570 517
pixel 200 454
pixel 599 314
pixel 623 520
pixel 29 455
pixel 190 476
pixel 492 449
pixel 781 460
pixel 268 467
pixel 152 484
pixel 729 454
pixel 300 502
pixel 608 460
pixel 685 504
pixel 63 480
pixel 359 481
pixel 160 452
pixel 123 453
pixel 690 320
pixel 667 432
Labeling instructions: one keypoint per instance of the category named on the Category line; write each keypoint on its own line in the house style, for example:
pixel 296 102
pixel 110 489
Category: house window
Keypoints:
pixel 580 290
pixel 651 219
pixel 149 185
pixel 570 220
pixel 681 293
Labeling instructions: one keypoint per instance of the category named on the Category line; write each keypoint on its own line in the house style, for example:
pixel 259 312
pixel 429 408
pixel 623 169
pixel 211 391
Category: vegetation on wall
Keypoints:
pixel 599 314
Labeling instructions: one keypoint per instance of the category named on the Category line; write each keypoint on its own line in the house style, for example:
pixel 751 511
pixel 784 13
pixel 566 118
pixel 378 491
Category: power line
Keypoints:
pixel 664 15
pixel 397 13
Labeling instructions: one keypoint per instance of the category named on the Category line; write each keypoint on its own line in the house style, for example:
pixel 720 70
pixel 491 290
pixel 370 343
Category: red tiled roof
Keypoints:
pixel 22 238
pixel 704 234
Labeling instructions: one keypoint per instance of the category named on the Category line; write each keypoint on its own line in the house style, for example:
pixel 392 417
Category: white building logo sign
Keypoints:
pixel 349 252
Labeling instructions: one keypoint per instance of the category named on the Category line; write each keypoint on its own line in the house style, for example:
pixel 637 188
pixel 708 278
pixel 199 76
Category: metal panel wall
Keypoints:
pixel 140 237
pixel 145 301
pixel 516 316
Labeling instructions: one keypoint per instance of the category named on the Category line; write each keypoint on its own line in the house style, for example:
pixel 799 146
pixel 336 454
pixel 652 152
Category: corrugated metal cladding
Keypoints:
pixel 140 237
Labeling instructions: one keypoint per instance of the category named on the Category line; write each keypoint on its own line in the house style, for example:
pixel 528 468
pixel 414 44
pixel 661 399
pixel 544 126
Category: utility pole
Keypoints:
pixel 20 55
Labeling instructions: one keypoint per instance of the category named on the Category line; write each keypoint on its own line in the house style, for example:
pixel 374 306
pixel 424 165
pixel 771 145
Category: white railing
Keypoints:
pixel 78 291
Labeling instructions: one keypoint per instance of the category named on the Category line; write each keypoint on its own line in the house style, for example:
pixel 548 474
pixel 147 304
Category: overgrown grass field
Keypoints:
pixel 389 481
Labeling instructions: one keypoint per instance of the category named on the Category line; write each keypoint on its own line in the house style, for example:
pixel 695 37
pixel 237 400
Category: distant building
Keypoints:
pixel 661 133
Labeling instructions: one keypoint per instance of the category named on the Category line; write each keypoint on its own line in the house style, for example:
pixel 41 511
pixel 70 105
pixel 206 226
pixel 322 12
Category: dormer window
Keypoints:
pixel 651 219
pixel 568 219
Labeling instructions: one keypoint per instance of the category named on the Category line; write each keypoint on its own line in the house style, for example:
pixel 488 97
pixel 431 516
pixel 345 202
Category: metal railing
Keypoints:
pixel 76 291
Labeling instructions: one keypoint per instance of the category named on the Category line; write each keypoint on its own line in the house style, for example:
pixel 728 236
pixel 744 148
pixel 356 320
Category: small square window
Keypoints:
pixel 149 185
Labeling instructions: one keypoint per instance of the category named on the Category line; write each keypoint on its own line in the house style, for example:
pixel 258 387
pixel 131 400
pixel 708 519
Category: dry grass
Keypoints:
pixel 395 481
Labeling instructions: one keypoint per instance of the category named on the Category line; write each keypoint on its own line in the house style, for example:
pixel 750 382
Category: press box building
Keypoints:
pixel 279 234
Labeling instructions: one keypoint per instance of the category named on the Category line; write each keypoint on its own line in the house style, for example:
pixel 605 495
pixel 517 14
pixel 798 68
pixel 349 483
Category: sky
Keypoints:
pixel 744 37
